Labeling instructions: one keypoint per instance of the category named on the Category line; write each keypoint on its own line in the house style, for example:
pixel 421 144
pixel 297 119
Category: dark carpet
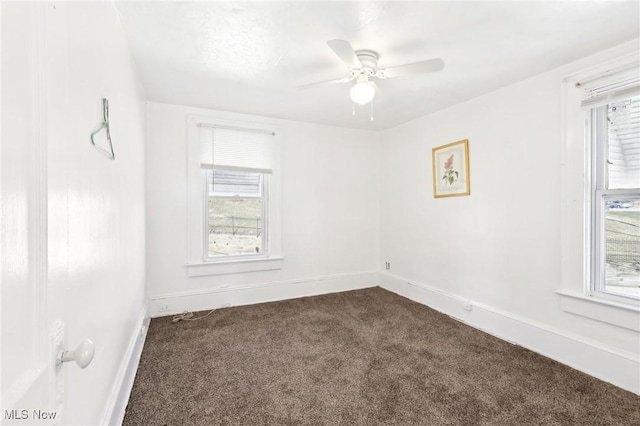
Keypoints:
pixel 365 357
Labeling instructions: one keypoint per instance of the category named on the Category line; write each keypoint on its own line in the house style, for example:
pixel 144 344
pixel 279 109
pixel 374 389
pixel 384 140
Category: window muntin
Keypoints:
pixel 235 214
pixel 615 130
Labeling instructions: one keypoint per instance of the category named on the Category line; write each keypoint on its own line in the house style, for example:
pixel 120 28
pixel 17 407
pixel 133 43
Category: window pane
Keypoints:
pixel 235 226
pixel 235 220
pixel 622 247
pixel 623 162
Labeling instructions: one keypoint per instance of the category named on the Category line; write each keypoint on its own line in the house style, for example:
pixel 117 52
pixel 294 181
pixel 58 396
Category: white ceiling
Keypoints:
pixel 250 56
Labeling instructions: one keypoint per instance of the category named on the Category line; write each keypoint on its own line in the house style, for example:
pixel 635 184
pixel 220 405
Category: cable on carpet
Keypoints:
pixel 188 316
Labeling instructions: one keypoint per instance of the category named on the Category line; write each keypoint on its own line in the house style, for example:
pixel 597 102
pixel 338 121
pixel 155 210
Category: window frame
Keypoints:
pixel 577 198
pixel 598 136
pixel 196 263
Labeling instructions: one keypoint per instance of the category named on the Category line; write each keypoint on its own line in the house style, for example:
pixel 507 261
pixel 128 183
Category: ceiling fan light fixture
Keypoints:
pixel 363 65
pixel 362 92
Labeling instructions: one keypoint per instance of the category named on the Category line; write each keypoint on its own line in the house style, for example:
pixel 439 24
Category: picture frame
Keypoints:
pixel 450 164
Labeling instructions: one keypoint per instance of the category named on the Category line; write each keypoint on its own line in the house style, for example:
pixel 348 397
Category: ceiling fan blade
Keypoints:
pixel 345 52
pixel 430 65
pixel 325 83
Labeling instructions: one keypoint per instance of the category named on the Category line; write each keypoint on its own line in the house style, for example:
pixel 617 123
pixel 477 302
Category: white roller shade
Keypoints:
pixel 231 148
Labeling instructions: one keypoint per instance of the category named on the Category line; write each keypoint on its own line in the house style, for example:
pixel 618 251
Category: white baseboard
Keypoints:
pixel 170 304
pixel 615 367
pixel 119 397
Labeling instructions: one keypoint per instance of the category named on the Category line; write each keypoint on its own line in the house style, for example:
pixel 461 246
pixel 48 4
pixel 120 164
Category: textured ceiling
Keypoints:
pixel 250 56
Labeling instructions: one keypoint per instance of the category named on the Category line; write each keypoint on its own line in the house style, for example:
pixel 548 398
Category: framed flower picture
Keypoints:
pixel 451 169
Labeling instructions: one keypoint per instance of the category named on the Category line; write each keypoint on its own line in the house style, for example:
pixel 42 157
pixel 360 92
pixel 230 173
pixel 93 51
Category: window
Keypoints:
pixel 615 180
pixel 601 184
pixel 235 219
pixel 600 194
pixel 234 197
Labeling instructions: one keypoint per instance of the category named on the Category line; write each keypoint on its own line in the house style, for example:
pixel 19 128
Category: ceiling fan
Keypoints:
pixel 363 65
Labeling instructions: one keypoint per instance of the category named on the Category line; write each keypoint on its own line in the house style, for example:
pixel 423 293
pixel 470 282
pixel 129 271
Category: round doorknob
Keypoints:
pixel 82 354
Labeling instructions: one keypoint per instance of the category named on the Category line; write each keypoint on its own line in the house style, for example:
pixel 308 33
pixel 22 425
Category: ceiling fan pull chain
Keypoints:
pixel 353 108
pixel 371 109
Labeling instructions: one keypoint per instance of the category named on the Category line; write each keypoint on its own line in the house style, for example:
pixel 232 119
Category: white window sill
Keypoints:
pixel 236 266
pixel 626 316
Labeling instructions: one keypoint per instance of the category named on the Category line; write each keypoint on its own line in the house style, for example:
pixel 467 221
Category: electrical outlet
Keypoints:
pixel 164 308
pixel 468 306
pixel 387 265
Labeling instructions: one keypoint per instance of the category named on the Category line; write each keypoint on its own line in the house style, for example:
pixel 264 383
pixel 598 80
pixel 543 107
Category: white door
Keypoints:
pixel 32 384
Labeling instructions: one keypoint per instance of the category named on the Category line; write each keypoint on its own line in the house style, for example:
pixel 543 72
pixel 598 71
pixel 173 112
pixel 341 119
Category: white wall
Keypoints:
pixel 500 247
pixel 329 213
pixel 91 211
pixel 103 274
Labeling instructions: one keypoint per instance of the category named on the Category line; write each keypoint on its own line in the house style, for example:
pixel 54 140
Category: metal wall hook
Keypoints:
pixel 105 125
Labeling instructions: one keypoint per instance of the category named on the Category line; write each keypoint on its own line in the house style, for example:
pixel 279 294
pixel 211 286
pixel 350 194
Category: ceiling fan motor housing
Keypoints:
pixel 368 59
